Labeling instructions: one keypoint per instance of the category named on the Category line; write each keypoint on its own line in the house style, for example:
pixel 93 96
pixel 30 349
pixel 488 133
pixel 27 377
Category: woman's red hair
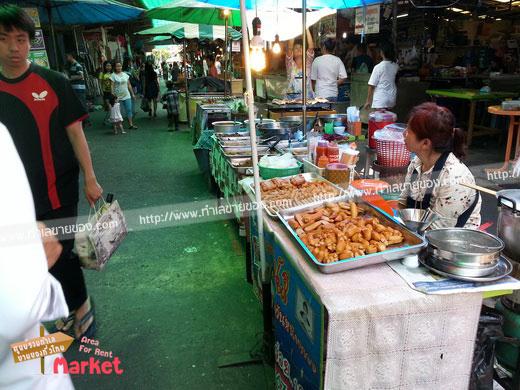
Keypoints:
pixel 436 123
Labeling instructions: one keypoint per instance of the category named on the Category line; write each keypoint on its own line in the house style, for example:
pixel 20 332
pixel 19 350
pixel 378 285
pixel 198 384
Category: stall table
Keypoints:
pixel 514 125
pixel 473 96
pixel 276 111
pixel 363 328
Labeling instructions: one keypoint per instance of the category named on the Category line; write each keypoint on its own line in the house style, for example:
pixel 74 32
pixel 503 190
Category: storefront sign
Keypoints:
pixel 38 54
pixel 367 20
pixel 235 47
pixel 38 43
pixel 298 322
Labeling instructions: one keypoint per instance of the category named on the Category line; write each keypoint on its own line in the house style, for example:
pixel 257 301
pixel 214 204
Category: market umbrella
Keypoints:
pixel 192 31
pixel 314 4
pixel 194 12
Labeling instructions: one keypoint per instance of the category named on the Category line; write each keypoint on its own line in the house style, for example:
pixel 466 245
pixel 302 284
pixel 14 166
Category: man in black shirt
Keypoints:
pixel 44 116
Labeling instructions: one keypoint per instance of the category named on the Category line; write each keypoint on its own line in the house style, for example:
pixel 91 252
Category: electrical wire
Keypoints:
pixel 434 6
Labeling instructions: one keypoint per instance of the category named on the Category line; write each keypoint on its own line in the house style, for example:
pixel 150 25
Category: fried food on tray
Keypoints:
pixel 343 230
pixel 279 194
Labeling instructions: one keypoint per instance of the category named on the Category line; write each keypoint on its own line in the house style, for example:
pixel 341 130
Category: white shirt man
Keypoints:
pixel 327 73
pixel 383 79
pixel 29 294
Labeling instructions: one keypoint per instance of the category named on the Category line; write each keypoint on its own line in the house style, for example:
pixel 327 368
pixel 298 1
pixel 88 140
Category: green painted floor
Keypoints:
pixel 172 300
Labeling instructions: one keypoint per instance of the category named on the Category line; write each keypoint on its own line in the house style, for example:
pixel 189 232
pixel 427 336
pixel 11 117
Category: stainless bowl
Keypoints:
pixel 283 131
pixel 464 247
pixel 333 118
pixel 226 127
pixel 417 220
pixel 258 121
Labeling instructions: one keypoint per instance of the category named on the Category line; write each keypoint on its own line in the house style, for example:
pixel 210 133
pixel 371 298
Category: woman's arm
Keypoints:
pixel 310 41
pixel 130 89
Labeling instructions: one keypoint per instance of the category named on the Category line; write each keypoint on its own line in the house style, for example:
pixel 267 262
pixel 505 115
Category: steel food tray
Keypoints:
pixel 233 137
pixel 413 243
pixel 241 169
pixel 309 177
pixel 236 151
pixel 237 143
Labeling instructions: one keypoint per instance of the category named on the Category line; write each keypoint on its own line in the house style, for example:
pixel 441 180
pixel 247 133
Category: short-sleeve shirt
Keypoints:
pixel 326 71
pixel 36 108
pixel 295 75
pixel 106 82
pixel 76 69
pixel 121 85
pixel 383 78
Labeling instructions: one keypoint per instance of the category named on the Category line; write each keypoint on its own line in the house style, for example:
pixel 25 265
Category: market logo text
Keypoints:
pixel 92 366
pixel 58 343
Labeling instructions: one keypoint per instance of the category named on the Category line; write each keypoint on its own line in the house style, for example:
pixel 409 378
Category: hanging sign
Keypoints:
pixel 38 54
pixel 235 47
pixel 367 20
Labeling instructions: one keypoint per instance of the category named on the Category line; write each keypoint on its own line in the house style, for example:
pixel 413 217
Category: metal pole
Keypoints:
pixel 225 54
pixel 76 41
pixel 304 66
pixel 53 34
pixel 394 25
pixel 249 99
pixel 186 81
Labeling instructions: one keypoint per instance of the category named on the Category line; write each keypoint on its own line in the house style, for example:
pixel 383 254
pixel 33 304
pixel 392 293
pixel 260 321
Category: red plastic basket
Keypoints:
pixel 392 153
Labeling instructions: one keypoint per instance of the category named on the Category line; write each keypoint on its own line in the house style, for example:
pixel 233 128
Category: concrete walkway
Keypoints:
pixel 172 300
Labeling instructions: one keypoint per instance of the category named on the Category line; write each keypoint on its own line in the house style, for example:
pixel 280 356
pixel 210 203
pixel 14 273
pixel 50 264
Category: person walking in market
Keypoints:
pixel 151 88
pixel 171 101
pixel 106 88
pixel 44 117
pixel 328 72
pixel 77 80
pixel 122 88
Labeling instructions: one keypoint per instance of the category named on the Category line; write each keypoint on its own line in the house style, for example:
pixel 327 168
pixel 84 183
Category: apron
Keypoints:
pixel 424 204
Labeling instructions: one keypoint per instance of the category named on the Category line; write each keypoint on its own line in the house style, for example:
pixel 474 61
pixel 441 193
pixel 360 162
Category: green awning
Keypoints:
pixel 191 31
pixel 195 12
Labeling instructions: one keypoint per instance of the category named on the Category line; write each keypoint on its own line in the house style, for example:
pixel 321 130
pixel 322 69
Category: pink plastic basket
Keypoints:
pixel 392 153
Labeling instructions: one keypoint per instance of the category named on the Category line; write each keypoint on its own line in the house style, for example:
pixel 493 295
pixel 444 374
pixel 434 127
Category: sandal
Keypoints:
pixel 79 324
pixel 65 324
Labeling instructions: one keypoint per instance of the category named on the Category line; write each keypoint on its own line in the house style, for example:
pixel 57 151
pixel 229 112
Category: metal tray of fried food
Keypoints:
pixel 241 164
pixel 236 143
pixel 244 135
pixel 237 151
pixel 286 204
pixel 412 244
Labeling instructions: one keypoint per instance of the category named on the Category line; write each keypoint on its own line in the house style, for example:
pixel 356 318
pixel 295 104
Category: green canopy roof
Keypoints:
pixel 191 31
pixel 194 12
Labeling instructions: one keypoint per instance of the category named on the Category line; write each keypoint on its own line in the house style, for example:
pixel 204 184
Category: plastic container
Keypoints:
pixel 338 174
pixel 376 121
pixel 321 149
pixel 270 173
pixel 511 105
pixel 333 152
pixel 323 161
pixel 391 149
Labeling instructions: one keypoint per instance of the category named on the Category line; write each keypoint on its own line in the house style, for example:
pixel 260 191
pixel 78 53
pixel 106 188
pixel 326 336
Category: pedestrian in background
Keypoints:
pixel 106 88
pixel 171 103
pixel 115 115
pixel 77 80
pixel 382 89
pixel 151 88
pixel 328 72
pixel 48 134
pixel 122 88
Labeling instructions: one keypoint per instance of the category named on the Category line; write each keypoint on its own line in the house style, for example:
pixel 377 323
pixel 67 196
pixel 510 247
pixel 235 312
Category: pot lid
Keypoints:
pixel 507 196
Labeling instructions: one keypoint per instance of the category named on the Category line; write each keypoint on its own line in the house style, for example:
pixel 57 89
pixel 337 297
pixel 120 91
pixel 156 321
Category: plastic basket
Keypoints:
pixel 270 173
pixel 392 153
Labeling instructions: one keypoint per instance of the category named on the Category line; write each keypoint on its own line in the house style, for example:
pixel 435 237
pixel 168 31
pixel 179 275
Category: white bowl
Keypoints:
pixel 339 130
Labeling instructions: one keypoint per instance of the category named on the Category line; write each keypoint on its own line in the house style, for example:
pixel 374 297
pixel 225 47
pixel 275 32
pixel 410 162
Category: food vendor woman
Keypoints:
pixel 433 175
pixel 294 67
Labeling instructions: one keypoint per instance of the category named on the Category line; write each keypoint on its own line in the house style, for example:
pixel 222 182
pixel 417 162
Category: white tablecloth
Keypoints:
pixel 384 335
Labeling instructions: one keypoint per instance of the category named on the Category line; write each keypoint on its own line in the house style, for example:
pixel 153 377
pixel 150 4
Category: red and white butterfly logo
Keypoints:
pixel 39 97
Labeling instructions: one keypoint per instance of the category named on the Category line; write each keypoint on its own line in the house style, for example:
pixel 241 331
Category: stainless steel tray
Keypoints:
pixel 413 243
pixel 232 152
pixel 230 137
pixel 503 268
pixel 241 169
pixel 236 143
pixel 310 177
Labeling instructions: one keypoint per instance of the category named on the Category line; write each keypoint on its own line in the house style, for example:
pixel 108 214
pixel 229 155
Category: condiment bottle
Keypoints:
pixel 323 161
pixel 321 150
pixel 333 152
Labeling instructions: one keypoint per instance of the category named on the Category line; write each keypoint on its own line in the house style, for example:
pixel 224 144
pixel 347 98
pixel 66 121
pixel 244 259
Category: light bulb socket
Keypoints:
pixel 257 26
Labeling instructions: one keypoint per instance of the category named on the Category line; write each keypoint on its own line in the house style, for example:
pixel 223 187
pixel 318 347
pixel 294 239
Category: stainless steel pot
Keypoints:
pixel 297 121
pixel 277 130
pixel 509 222
pixel 464 247
pixel 226 127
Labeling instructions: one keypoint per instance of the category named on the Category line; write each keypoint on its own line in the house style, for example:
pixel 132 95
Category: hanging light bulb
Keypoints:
pixel 226 12
pixel 257 47
pixel 276 45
